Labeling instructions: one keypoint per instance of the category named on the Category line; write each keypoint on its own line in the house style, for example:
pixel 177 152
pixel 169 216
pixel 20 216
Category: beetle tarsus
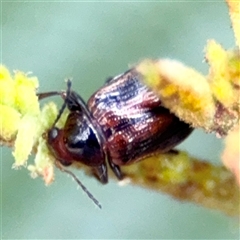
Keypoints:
pixel 116 169
pixel 102 173
pixel 50 94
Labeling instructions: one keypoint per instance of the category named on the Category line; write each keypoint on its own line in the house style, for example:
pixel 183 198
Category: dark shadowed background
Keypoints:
pixel 90 41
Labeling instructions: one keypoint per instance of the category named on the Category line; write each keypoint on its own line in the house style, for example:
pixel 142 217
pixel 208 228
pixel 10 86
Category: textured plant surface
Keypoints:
pixel 209 102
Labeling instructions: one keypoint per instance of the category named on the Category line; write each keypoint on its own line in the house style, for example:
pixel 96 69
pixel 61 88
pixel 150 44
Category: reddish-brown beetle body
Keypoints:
pixel 123 122
pixel 133 121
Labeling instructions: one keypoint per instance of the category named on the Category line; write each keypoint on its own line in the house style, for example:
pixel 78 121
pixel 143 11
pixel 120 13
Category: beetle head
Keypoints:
pixel 76 141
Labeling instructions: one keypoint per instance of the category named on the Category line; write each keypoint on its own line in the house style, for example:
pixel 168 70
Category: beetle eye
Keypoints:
pixel 53 134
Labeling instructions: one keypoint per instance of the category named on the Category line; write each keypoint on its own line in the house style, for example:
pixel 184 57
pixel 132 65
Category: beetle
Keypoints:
pixel 122 123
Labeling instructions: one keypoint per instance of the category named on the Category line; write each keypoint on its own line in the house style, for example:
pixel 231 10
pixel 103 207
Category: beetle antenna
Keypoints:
pixel 69 84
pixel 96 202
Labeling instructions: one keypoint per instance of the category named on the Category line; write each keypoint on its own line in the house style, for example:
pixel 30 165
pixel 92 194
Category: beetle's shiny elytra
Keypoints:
pixel 123 122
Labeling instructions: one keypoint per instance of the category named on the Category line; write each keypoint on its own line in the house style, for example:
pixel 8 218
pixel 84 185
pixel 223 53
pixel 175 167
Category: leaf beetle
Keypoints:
pixel 122 122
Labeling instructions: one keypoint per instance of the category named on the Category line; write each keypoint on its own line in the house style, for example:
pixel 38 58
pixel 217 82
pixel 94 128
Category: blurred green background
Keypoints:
pixel 90 41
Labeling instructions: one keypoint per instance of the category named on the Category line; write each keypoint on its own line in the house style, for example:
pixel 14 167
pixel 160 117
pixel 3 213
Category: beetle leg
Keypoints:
pixel 50 94
pixel 116 169
pixel 101 173
pixel 173 151
pixel 56 93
